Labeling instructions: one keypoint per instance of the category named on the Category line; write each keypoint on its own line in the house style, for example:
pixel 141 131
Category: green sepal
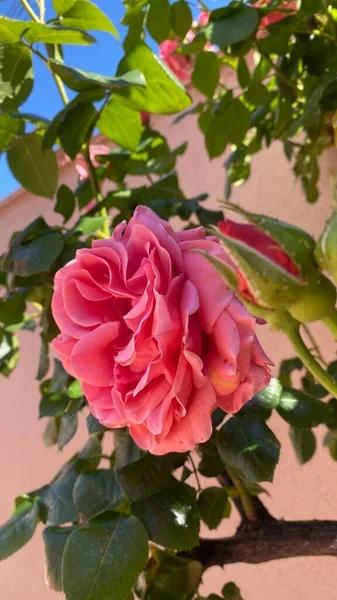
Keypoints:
pixel 326 247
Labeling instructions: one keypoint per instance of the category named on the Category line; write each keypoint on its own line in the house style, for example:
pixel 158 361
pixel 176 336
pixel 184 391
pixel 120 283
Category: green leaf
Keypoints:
pixel 93 425
pixel 86 15
pixel 35 171
pixel 304 443
pixel 65 202
pixel 68 428
pixel 173 577
pixel 55 539
pixel 248 446
pixel 9 353
pixel 212 504
pixel 120 124
pixel 103 558
pixel 97 491
pixel 170 516
pixel 158 20
pixel 9 129
pixel 85 81
pixel 243 73
pixel 19 529
pixel 51 132
pixel 11 30
pixel 230 124
pixel 206 73
pixel 301 410
pixel 230 591
pixel 16 75
pixel 59 381
pixel 164 93
pixel 88 225
pixel 236 25
pixel 43 360
pixel 76 128
pixel 53 405
pixel 61 6
pixel 145 476
pixel 211 466
pixel 257 94
pixel 126 449
pixel 181 18
pixel 49 34
pixel 12 309
pixel 38 255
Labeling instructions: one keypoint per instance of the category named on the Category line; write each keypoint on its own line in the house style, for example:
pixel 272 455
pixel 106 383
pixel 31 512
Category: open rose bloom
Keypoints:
pixel 153 334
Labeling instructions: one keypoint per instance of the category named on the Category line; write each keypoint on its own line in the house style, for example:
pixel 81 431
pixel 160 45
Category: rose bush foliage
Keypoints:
pixel 156 321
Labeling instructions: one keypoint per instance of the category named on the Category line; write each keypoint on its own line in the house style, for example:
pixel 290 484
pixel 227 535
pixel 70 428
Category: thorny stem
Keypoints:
pixel 245 498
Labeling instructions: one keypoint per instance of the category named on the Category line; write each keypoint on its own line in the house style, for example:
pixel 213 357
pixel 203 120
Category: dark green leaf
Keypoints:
pixel 211 466
pixel 86 15
pixel 206 73
pixel 181 18
pixel 43 360
pixel 103 558
pixel 331 442
pixel 304 443
pixel 257 94
pixel 35 171
pixel 243 73
pixel 53 405
pixel 230 123
pixel 287 367
pixel 51 132
pixel 97 491
pixel 59 381
pixel 76 127
pixel 170 516
pixel 301 410
pixel 120 124
pixel 230 591
pixel 16 75
pixel 249 447
pixel 49 34
pixel 126 449
pixel 68 428
pixel 164 93
pixel 55 539
pixel 173 577
pixel 12 309
pixel 212 503
pixel 65 202
pixel 145 476
pixel 19 529
pixel 38 255
pixel 84 81
pixel 158 21
pixel 94 425
pixel 51 432
pixel 235 26
pixel 269 397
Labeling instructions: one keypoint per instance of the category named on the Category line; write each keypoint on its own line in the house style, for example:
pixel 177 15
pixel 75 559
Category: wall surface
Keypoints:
pixel 298 493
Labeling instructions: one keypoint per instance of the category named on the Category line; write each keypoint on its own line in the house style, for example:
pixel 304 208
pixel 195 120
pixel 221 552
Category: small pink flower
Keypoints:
pixel 154 335
pixel 203 18
pixel 80 162
pixel 274 16
pixel 179 64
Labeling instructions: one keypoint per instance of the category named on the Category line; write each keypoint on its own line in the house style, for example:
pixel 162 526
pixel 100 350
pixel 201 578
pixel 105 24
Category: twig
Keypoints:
pixel 195 471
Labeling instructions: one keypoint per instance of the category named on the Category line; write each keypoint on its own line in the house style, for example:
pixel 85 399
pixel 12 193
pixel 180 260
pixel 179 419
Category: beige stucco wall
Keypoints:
pixel 298 493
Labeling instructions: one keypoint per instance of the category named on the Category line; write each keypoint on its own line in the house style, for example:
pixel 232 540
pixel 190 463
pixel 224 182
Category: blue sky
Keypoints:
pixel 101 57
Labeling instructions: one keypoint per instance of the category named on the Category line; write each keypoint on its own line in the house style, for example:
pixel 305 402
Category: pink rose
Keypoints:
pixel 80 162
pixel 154 335
pixel 179 64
